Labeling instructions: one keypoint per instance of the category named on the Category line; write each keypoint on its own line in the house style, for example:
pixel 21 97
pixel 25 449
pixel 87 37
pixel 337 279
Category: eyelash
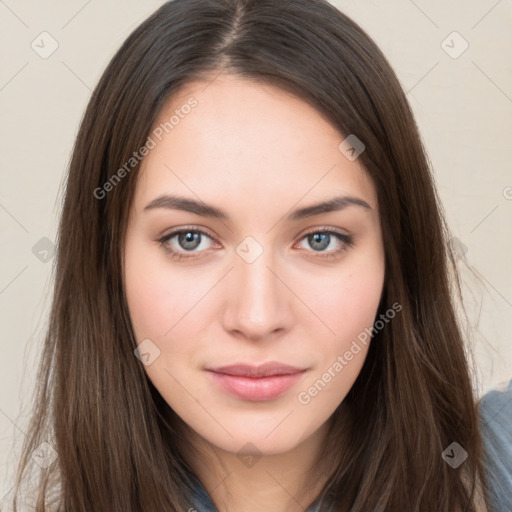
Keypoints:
pixel 347 241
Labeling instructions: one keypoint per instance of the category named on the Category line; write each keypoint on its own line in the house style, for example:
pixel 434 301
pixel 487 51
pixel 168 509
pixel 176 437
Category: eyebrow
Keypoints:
pixel 205 210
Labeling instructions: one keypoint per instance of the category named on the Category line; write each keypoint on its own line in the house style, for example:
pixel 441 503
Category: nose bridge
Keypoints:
pixel 258 302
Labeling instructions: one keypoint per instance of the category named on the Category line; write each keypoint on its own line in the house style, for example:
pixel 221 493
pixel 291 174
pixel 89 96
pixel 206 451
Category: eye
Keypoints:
pixel 187 240
pixel 322 238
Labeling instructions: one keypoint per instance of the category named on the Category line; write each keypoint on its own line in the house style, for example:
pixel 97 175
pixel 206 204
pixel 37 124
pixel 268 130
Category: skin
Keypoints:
pixel 256 152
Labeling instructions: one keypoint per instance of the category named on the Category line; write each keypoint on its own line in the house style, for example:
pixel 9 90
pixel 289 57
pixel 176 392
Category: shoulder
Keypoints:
pixel 496 426
pixel 200 499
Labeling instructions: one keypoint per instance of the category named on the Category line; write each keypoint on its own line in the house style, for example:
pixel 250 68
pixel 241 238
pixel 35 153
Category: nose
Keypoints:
pixel 258 304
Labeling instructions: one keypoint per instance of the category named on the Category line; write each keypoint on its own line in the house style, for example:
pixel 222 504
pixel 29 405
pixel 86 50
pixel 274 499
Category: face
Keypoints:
pixel 251 274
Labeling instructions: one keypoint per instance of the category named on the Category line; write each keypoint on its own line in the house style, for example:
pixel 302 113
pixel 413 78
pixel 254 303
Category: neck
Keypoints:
pixel 257 482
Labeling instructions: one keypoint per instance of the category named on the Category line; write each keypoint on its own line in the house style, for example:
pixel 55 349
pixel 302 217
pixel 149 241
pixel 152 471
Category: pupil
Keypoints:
pixel 317 239
pixel 188 238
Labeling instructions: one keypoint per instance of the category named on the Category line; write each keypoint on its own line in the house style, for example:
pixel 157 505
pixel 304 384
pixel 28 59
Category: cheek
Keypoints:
pixel 146 297
pixel 345 301
pixel 350 313
pixel 358 303
pixel 157 297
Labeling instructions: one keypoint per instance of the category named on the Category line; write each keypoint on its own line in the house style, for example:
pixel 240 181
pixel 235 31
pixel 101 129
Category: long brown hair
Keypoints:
pixel 118 444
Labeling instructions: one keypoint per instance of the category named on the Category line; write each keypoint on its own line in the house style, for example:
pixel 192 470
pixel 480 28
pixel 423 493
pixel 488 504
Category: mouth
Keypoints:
pixel 256 383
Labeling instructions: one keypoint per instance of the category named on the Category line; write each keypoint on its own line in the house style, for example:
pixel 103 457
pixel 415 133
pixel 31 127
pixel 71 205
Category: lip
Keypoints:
pixel 262 370
pixel 256 383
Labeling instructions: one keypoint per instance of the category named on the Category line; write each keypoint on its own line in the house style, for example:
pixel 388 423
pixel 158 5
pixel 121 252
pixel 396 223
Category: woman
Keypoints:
pixel 253 305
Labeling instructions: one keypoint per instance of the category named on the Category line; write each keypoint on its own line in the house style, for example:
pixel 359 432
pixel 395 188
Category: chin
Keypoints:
pixel 254 441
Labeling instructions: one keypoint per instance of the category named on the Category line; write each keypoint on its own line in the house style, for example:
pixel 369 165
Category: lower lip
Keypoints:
pixel 256 389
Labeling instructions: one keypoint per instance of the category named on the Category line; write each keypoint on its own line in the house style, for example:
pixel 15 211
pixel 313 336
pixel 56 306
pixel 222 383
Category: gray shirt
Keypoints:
pixel 496 423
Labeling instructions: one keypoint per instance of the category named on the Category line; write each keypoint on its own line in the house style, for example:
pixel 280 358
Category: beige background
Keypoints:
pixel 463 105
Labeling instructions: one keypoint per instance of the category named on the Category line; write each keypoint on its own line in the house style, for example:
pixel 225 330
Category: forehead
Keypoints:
pixel 231 137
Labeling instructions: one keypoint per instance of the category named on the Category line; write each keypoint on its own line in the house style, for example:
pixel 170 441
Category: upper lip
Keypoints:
pixel 262 370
